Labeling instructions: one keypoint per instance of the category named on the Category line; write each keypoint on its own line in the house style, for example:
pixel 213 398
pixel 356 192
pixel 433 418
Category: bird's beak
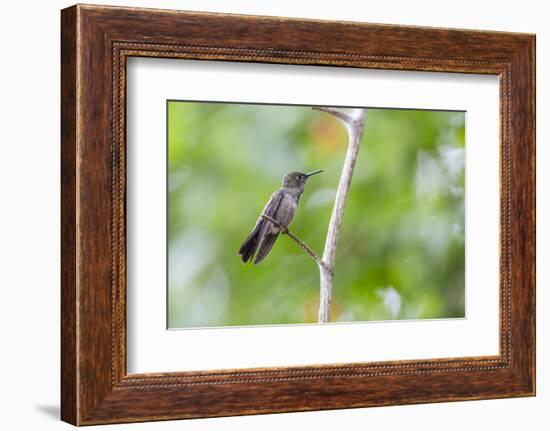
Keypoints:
pixel 313 173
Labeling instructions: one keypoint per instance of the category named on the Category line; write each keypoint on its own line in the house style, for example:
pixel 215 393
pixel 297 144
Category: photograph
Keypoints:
pixel 287 214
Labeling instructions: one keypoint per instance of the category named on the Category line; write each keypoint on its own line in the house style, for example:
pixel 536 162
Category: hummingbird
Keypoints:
pixel 281 207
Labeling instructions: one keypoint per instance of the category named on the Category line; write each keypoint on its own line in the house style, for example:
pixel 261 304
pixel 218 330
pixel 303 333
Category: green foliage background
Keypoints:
pixel 401 249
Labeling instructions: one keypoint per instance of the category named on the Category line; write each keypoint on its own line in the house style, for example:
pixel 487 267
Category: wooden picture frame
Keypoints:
pixel 95 43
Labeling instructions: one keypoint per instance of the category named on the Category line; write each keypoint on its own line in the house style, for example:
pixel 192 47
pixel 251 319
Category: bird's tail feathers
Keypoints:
pixel 250 244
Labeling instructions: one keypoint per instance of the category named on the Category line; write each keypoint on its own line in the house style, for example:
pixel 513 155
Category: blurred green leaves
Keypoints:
pixel 401 250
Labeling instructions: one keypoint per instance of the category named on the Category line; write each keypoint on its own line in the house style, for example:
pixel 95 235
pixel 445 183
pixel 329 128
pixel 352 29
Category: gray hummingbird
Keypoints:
pixel 281 207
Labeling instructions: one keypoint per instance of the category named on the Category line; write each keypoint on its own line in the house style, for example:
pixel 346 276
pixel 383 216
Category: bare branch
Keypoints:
pixel 339 114
pixel 298 241
pixel 354 122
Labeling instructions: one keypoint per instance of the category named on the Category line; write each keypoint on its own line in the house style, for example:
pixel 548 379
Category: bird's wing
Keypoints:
pixel 269 210
pixel 273 204
pixel 254 239
pixel 266 240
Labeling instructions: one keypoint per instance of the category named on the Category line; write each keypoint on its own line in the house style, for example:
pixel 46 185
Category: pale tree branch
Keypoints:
pixel 354 121
pixel 298 241
pixel 339 114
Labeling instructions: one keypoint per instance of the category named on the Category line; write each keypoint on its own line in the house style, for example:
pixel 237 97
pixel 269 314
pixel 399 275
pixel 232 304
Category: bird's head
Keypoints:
pixel 297 179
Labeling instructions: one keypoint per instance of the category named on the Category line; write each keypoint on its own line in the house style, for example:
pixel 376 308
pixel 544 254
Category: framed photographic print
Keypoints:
pixel 263 215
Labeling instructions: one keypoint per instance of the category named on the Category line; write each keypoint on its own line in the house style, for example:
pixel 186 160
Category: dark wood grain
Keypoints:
pixel 68 218
pixel 96 41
